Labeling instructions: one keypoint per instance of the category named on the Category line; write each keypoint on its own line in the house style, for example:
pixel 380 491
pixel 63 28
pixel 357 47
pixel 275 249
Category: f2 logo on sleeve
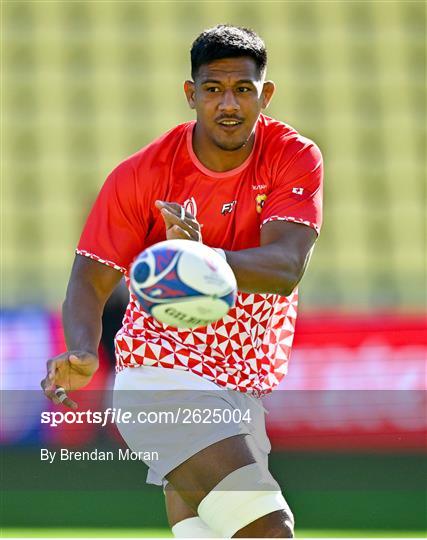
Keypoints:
pixel 227 208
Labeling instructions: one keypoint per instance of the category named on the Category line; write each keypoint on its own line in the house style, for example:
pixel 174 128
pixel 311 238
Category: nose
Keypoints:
pixel 229 102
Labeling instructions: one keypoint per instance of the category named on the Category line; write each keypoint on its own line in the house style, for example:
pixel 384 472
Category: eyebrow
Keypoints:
pixel 214 81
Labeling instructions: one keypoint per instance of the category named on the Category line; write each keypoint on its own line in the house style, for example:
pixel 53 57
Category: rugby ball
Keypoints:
pixel 182 283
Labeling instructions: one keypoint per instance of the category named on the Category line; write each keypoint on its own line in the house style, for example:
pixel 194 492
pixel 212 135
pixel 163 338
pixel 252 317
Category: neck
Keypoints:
pixel 215 158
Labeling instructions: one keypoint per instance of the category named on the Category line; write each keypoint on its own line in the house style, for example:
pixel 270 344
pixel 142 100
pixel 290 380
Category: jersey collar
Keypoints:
pixel 209 172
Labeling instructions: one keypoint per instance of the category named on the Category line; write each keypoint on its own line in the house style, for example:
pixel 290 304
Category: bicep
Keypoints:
pixel 102 279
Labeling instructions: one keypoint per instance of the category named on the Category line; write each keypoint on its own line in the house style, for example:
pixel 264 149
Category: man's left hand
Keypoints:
pixel 179 223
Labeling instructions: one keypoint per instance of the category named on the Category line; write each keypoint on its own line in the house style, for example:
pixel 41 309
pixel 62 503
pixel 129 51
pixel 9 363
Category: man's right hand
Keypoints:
pixel 69 371
pixel 179 223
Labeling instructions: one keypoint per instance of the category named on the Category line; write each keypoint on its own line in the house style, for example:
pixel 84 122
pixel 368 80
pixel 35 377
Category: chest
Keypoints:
pixel 228 209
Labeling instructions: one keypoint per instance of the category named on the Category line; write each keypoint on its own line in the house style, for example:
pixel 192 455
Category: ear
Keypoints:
pixel 189 90
pixel 267 93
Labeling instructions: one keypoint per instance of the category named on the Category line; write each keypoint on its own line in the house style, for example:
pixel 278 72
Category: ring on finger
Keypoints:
pixel 61 394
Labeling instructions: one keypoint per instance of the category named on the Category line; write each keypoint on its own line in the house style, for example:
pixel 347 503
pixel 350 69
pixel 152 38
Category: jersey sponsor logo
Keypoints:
pixel 298 190
pixel 190 206
pixel 228 207
pixel 260 200
pixel 257 187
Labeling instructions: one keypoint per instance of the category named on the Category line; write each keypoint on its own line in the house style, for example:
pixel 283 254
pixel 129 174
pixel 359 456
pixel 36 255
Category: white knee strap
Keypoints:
pixel 241 498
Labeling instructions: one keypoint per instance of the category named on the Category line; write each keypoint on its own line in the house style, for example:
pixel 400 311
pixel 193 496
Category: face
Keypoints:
pixel 228 96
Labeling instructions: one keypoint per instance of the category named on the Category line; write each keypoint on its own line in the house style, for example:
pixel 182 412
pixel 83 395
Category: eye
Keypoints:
pixel 212 89
pixel 243 89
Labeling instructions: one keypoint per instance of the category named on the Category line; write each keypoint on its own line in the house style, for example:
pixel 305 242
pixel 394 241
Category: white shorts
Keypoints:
pixel 176 414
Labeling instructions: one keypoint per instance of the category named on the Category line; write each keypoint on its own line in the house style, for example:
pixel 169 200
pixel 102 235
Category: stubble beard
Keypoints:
pixel 230 146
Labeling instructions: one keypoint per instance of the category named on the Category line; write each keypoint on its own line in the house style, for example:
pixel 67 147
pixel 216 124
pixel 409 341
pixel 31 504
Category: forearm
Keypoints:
pixel 82 316
pixel 266 269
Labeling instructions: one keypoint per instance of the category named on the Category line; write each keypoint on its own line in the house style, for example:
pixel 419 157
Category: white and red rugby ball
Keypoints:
pixel 182 283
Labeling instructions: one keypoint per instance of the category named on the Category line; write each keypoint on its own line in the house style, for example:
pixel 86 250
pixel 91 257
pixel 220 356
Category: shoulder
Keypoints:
pixel 156 155
pixel 284 143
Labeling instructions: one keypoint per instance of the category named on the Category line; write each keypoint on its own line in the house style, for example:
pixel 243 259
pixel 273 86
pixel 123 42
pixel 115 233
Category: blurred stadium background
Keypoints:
pixel 84 84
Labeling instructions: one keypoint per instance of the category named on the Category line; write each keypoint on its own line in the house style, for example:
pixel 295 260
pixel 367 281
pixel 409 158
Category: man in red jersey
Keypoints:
pixel 250 187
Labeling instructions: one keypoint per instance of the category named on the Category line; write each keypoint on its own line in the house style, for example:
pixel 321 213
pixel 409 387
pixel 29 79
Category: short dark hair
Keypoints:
pixel 227 41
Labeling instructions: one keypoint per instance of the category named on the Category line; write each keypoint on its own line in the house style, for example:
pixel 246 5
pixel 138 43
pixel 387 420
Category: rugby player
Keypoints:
pixel 251 187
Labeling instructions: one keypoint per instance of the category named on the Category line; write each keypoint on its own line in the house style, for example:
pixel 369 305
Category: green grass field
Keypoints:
pixel 165 533
pixel 334 496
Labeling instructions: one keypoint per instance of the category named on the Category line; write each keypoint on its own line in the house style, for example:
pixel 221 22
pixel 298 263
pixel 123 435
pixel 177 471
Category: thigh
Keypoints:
pixel 197 476
pixel 176 508
pixel 182 407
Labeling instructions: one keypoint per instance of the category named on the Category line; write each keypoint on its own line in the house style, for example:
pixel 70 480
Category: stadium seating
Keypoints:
pixel 86 84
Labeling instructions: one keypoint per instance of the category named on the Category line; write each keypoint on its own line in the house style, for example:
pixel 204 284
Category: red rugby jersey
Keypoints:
pixel 248 350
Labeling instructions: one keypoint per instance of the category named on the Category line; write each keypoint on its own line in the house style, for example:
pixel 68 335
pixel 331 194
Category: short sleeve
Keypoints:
pixel 296 193
pixel 115 229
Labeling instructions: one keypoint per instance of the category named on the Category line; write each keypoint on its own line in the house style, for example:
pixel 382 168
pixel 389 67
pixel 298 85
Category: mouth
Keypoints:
pixel 229 124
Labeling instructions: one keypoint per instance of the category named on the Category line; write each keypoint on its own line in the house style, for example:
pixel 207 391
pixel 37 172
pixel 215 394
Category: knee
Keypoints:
pixel 285 532
pixel 249 501
pixel 289 532
pixel 279 524
pixel 288 523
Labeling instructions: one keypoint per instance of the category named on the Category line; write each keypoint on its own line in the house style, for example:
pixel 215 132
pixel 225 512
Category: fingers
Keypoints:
pixel 48 383
pixel 68 402
pixel 176 209
pixel 179 223
pixel 49 390
pixel 54 376
pixel 173 207
pixel 189 225
pixel 57 395
pixel 179 233
pixel 51 370
pixel 62 397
